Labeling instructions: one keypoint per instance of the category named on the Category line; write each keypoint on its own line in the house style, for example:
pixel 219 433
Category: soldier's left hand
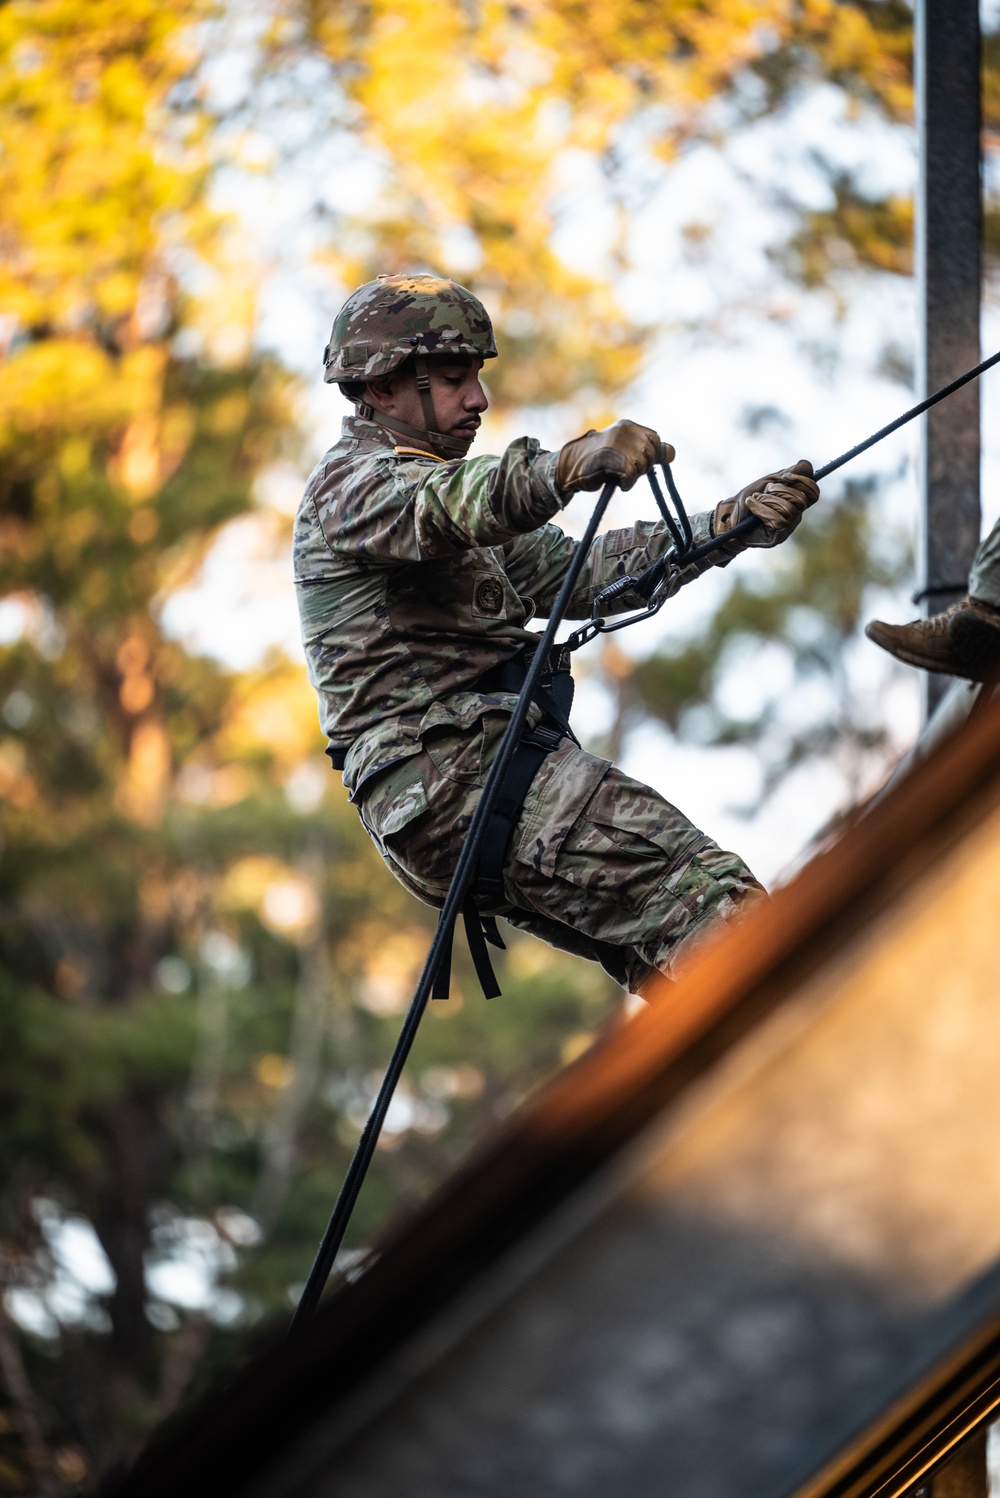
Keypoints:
pixel 778 501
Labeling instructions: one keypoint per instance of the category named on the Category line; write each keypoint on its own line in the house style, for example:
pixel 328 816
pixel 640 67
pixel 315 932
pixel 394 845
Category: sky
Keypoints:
pixel 747 372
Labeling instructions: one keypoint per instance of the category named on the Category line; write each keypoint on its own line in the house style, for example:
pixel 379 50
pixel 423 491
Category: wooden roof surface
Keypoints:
pixel 574 1127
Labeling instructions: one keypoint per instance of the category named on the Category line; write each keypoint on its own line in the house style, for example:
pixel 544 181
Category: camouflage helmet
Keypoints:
pixel 387 320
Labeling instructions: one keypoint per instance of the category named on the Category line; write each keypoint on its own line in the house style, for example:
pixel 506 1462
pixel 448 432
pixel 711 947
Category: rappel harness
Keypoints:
pixel 543 678
pixel 553 696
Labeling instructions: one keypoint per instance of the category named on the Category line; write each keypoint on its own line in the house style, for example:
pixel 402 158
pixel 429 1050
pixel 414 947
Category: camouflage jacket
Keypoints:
pixel 414 576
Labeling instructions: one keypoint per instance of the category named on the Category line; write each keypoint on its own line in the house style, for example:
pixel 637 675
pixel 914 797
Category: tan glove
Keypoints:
pixel 777 500
pixel 623 451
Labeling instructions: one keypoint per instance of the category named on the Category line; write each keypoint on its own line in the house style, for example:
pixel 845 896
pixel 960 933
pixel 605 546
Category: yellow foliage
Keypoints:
pixel 87 180
pixel 390 964
pixel 61 383
pixel 142 793
pixel 286 899
pixel 248 880
pixel 103 180
pixel 273 1070
pixel 471 110
pixel 274 713
pixel 16 785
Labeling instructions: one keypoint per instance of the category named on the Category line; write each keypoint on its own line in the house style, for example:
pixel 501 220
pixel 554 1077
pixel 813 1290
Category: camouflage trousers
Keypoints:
pixel 599 864
pixel 984 576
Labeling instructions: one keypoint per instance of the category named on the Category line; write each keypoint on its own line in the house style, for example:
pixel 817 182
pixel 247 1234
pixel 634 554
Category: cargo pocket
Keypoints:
pixel 643 826
pixel 564 784
pixel 456 753
pixel 461 743
pixel 389 811
pixel 626 846
pixel 629 871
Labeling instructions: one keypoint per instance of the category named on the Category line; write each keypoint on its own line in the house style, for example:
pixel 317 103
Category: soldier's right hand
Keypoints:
pixel 623 451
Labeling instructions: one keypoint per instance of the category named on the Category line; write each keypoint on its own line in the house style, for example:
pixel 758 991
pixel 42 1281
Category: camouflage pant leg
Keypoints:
pixel 627 870
pixel 984 577
pixel 599 864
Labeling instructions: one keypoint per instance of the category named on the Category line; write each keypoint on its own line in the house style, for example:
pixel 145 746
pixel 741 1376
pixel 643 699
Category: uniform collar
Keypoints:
pixel 368 432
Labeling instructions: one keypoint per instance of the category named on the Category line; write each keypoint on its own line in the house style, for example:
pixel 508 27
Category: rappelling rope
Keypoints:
pixel 441 945
pixel 648 584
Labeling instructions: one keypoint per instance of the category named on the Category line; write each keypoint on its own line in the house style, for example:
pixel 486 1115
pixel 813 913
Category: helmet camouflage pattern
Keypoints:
pixel 387 320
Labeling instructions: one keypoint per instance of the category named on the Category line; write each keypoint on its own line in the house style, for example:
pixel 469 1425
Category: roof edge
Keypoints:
pixel 576 1124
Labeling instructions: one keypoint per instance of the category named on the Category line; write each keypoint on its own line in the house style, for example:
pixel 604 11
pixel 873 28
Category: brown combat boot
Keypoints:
pixel 963 641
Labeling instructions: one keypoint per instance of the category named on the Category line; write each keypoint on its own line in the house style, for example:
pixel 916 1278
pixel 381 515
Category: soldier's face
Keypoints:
pixel 459 398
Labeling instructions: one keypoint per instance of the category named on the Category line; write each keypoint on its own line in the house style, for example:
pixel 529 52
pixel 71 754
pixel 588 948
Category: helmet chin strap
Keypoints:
pixel 439 442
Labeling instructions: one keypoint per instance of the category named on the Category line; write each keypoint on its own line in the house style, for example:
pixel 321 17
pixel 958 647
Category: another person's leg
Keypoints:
pixel 975 630
pixel 963 640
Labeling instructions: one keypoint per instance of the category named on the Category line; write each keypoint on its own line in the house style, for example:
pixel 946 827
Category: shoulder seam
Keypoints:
pixel 319 523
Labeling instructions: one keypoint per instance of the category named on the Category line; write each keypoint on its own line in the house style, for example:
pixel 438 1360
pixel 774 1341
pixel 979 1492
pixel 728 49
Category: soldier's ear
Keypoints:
pixel 380 391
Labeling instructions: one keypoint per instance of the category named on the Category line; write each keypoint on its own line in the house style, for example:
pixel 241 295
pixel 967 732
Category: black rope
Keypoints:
pixel 441 945
pixel 917 410
pixel 647 583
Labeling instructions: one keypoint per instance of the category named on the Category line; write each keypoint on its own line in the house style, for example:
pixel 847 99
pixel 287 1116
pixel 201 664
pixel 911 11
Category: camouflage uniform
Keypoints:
pixel 414 577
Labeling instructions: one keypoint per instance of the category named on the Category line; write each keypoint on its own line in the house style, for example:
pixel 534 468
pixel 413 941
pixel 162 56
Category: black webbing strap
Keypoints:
pixel 488 887
pixel 528 757
pixel 555 698
pixel 554 693
pixel 479 929
pixel 442 978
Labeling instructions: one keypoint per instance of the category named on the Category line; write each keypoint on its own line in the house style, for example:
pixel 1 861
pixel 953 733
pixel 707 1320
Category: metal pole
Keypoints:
pixel 949 273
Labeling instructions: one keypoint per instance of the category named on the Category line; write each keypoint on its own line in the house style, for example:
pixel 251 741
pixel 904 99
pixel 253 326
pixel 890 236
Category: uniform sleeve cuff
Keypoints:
pixel 544 484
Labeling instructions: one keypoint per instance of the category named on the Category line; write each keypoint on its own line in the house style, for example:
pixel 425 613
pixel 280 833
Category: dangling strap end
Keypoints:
pixel 477 946
pixel 442 978
pixel 492 933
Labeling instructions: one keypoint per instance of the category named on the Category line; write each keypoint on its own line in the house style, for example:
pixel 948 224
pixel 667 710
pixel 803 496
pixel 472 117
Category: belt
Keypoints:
pixel 554 695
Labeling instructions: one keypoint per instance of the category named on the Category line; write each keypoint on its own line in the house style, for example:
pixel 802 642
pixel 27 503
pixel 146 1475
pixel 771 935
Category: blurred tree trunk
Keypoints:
pixel 183 1354
pixel 305 1053
pixel 18 1386
pixel 137 1152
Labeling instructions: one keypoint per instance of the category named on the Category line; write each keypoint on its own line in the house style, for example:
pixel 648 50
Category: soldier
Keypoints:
pixel 963 640
pixel 417 570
